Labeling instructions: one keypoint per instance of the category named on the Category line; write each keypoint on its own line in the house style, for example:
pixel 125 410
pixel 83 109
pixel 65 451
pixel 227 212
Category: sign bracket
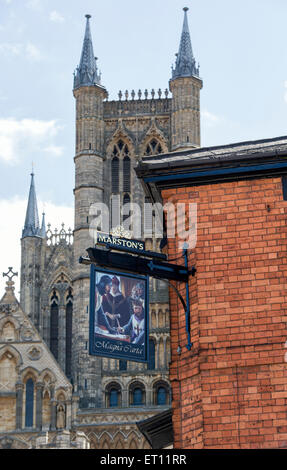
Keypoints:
pixel 150 263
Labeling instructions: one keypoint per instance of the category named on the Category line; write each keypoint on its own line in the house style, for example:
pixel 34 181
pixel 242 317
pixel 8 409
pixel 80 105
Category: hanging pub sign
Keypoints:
pixel 118 315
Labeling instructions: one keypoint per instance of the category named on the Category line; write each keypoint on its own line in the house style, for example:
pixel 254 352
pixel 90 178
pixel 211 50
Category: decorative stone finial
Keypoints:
pixel 10 274
pixel 10 283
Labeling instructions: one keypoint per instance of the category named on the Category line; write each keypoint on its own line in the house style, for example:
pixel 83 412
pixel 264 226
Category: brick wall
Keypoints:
pixel 230 390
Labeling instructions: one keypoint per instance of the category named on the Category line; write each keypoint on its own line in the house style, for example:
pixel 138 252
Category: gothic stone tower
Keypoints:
pixel 185 86
pixel 111 137
pixel 89 188
pixel 46 294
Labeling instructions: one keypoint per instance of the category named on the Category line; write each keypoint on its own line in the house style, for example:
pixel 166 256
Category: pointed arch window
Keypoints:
pixel 54 324
pixel 121 153
pixel 154 147
pixel 127 174
pixel 115 175
pixel 69 323
pixel 29 405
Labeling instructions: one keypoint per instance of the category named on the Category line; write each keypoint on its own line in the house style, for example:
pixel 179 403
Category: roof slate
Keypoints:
pixel 192 157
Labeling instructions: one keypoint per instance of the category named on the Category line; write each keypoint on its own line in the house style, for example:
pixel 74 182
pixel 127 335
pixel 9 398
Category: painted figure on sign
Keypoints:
pixel 102 290
pixel 135 328
pixel 137 293
pixel 115 305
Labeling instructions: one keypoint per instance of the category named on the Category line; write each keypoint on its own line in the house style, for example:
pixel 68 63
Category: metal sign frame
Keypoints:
pixel 113 348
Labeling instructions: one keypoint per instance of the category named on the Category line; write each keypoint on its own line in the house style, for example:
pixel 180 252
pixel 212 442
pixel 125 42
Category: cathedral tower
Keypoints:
pixel 89 188
pixel 111 138
pixel 185 86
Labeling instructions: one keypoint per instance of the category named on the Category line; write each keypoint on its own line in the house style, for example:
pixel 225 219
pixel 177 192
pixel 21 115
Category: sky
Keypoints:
pixel 240 45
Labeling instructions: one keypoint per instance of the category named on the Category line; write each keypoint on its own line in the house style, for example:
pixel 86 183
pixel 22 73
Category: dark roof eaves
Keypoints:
pixel 214 148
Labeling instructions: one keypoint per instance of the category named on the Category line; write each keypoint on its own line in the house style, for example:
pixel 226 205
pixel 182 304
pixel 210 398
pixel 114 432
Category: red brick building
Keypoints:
pixel 230 389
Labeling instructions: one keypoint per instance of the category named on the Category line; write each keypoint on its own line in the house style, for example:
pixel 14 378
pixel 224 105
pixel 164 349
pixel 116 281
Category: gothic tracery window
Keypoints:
pixel 69 321
pixel 121 154
pixel 153 147
pixel 29 405
pixel 120 180
pixel 115 175
pixel 127 174
pixel 54 324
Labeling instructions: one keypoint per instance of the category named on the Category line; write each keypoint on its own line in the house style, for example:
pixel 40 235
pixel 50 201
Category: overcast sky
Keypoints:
pixel 240 44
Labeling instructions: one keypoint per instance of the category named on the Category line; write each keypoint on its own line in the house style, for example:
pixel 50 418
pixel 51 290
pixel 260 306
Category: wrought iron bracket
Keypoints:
pixel 159 270
pixel 185 303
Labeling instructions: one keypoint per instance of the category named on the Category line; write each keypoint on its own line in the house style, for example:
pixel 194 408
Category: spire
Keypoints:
pixel 43 227
pixel 185 65
pixel 87 72
pixel 31 228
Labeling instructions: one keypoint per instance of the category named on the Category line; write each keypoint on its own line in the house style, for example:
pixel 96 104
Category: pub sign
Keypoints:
pixel 119 312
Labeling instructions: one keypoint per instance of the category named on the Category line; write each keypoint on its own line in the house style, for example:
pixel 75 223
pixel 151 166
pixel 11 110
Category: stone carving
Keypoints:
pixel 35 353
pixel 8 308
pixel 26 332
pixel 61 417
